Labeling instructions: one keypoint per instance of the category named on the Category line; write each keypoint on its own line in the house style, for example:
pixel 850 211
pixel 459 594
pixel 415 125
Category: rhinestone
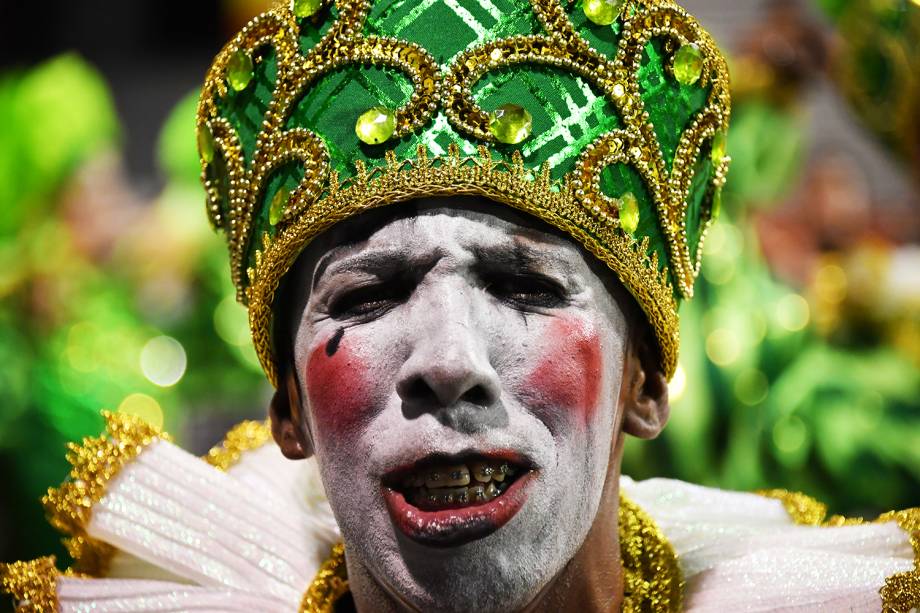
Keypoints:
pixel 688 64
pixel 376 125
pixel 629 212
pixel 205 143
pixel 305 8
pixel 239 70
pixel 277 206
pixel 618 90
pixel 602 12
pixel 510 124
pixel 718 147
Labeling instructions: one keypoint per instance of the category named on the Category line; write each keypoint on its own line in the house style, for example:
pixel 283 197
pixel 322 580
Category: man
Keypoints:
pixel 462 230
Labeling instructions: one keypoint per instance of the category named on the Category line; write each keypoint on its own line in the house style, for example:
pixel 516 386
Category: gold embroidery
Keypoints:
pixel 901 592
pixel 652 577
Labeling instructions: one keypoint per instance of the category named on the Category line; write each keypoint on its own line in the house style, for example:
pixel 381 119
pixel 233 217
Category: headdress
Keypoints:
pixel 603 118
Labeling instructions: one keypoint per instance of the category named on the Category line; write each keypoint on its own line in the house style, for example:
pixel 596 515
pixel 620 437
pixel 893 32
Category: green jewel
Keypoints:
pixel 716 204
pixel 305 8
pixel 602 12
pixel 239 70
pixel 629 212
pixel 276 208
pixel 510 123
pixel 205 143
pixel 718 147
pixel 688 64
pixel 376 125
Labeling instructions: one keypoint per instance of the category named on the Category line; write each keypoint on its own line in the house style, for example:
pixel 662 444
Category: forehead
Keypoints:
pixel 460 226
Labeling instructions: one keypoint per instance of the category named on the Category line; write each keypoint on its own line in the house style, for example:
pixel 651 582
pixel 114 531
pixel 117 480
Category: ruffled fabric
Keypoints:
pixel 188 536
pixel 744 552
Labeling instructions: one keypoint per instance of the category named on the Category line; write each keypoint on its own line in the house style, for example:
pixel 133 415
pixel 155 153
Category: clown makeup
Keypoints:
pixel 459 376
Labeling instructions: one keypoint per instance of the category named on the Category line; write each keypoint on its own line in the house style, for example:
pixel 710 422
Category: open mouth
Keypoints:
pixel 443 502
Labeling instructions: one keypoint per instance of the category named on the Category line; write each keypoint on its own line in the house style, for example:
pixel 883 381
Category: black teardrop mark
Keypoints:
pixel 333 345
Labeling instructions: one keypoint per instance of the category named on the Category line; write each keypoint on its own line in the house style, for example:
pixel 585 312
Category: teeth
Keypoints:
pixel 483 472
pixel 448 476
pixel 458 484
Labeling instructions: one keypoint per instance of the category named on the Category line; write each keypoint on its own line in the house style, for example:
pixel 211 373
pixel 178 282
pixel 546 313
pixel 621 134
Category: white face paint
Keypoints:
pixel 460 333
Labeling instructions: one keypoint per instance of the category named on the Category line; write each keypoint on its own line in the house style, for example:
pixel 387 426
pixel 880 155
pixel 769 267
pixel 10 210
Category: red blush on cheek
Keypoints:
pixel 568 375
pixel 338 387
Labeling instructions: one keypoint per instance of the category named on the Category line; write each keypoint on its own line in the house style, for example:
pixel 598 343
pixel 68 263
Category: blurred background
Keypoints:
pixel 800 357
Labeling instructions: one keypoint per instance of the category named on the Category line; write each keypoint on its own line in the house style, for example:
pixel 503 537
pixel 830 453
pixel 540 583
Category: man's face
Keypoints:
pixel 459 375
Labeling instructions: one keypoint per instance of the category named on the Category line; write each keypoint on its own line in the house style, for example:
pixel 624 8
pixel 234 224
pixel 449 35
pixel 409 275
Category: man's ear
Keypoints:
pixel 287 423
pixel 644 394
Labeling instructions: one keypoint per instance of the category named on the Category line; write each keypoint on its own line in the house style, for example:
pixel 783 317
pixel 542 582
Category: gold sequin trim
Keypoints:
pixel 652 577
pixel 31 584
pixel 901 592
pixel 243 437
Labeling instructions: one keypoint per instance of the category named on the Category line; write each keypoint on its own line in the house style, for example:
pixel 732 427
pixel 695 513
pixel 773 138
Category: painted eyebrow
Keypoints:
pixel 519 256
pixel 381 262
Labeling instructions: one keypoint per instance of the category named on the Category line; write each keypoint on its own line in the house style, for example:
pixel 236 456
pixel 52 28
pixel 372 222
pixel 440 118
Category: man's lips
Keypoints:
pixel 444 501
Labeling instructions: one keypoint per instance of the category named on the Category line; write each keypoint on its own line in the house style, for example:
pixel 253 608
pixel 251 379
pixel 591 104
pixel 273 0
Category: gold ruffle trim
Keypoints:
pixel 652 579
pixel 94 463
pixel 243 437
pixel 901 592
pixel 31 584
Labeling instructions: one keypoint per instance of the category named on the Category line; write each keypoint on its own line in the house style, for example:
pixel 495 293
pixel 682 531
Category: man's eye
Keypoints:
pixel 369 299
pixel 527 291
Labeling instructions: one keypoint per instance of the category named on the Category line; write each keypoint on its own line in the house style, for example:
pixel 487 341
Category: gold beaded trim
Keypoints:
pixel 511 184
pixel 901 592
pixel 449 89
pixel 652 576
pixel 243 437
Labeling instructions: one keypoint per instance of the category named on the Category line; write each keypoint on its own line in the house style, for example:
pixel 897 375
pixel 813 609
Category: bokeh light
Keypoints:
pixel 143 406
pixel 792 312
pixel 163 361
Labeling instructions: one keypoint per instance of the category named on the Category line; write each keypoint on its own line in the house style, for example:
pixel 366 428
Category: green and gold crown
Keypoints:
pixel 603 118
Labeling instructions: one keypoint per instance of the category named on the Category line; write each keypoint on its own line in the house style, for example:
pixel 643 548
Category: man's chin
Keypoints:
pixel 449 524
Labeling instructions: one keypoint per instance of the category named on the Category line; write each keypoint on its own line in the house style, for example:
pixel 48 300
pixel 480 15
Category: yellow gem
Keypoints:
pixel 279 203
pixel 239 70
pixel 376 125
pixel 718 147
pixel 629 212
pixel 688 64
pixel 205 143
pixel 305 8
pixel 510 124
pixel 602 12
pixel 496 54
pixel 618 90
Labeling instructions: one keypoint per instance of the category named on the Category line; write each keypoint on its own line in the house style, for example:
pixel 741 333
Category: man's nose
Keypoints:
pixel 449 361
